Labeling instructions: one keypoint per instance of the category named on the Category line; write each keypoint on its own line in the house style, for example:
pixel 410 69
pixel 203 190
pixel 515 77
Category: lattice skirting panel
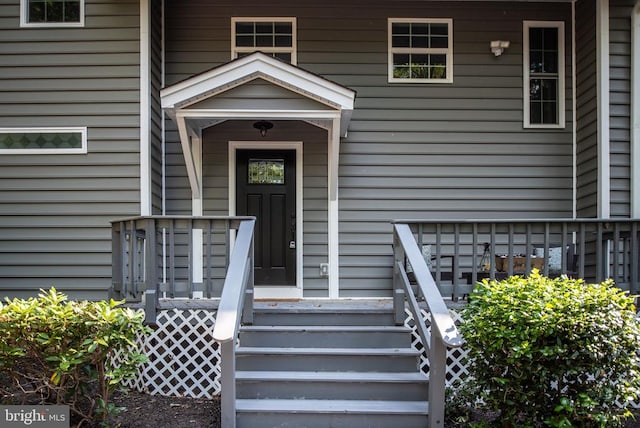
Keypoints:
pixel 456 358
pixel 184 360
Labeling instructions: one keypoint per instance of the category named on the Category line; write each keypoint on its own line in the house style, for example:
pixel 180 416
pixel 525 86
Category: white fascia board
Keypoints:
pixel 252 114
pixel 252 67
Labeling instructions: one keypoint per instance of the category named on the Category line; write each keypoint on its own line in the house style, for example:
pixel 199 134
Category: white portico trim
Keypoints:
pixel 332 108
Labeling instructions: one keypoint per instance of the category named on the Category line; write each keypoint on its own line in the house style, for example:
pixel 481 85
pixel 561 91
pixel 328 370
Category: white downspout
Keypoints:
pixel 145 109
pixel 602 73
pixel 574 106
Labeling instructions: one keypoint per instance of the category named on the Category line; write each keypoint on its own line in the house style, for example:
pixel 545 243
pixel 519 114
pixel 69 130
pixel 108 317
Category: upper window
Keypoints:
pixel 543 74
pixel 420 50
pixel 52 13
pixel 43 140
pixel 273 36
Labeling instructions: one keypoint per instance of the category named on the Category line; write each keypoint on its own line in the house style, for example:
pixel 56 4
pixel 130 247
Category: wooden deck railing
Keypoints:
pixel 460 253
pixel 171 257
pixel 443 333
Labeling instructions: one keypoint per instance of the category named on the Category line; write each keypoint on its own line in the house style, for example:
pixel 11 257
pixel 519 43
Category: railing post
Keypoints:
pixel 437 378
pixel 151 293
pixel 247 311
pixel 398 291
pixel 116 262
pixel 228 384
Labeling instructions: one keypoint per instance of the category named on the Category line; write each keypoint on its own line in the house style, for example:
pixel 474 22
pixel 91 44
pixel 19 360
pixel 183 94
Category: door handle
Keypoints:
pixel 292 227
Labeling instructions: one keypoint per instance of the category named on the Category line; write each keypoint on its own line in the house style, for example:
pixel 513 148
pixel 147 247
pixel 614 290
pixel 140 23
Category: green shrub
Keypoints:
pixel 54 351
pixel 555 352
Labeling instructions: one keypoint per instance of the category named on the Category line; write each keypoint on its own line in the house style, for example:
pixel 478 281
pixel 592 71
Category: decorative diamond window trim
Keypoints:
pixel 81 131
pixel 24 17
pixel 448 51
pixel 237 51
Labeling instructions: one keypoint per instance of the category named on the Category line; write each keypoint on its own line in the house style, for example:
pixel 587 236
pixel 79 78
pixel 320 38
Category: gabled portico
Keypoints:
pixel 288 93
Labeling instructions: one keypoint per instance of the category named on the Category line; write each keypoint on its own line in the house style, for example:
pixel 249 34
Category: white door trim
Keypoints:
pixel 274 292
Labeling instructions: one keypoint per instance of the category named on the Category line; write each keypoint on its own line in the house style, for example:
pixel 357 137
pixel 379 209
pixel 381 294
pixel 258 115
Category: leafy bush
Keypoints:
pixel 54 351
pixel 556 352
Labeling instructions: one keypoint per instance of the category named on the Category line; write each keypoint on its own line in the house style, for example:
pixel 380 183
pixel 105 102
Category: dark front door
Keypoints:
pixel 266 189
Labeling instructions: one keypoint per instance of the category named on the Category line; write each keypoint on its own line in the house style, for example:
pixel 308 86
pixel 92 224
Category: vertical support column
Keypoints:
pixel 333 153
pixel 197 285
pixel 437 372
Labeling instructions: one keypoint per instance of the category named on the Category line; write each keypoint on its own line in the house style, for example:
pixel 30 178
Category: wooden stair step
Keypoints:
pixel 333 406
pixel 409 352
pixel 346 377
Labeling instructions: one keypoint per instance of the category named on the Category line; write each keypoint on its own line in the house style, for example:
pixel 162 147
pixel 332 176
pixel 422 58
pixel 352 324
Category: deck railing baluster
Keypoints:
pixel 592 249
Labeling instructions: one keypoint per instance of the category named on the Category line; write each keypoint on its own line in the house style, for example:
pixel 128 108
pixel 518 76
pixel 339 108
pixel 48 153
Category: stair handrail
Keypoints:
pixel 444 333
pixel 236 305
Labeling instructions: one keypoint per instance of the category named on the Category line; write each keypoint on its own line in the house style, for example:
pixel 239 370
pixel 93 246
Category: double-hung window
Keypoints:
pixel 272 36
pixel 543 72
pixel 51 13
pixel 420 50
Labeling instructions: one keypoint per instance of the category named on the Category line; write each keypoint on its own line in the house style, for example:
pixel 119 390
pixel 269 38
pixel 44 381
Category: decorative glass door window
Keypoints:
pixel 420 50
pixel 266 171
pixel 273 36
pixel 544 74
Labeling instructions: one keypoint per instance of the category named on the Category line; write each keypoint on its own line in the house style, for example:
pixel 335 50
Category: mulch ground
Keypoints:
pixel 154 411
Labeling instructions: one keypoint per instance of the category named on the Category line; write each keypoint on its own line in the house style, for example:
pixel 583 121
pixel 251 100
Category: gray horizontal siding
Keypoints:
pixel 56 209
pixel 422 151
pixel 619 98
pixel 587 133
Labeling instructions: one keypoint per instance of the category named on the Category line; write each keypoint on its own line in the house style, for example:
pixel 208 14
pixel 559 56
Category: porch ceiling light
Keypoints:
pixel 498 46
pixel 263 126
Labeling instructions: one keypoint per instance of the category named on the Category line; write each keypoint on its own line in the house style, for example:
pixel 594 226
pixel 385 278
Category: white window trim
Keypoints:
pixel 293 50
pixel 79 150
pixel 561 73
pixel 391 50
pixel 24 14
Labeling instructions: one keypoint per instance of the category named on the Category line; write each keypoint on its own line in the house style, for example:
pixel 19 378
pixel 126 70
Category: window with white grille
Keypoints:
pixel 272 36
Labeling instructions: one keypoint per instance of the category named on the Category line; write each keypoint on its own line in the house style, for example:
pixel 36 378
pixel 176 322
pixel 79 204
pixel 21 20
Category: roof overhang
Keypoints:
pixel 177 99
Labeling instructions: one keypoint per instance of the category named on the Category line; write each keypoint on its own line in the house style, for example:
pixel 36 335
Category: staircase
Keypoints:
pixel 326 365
